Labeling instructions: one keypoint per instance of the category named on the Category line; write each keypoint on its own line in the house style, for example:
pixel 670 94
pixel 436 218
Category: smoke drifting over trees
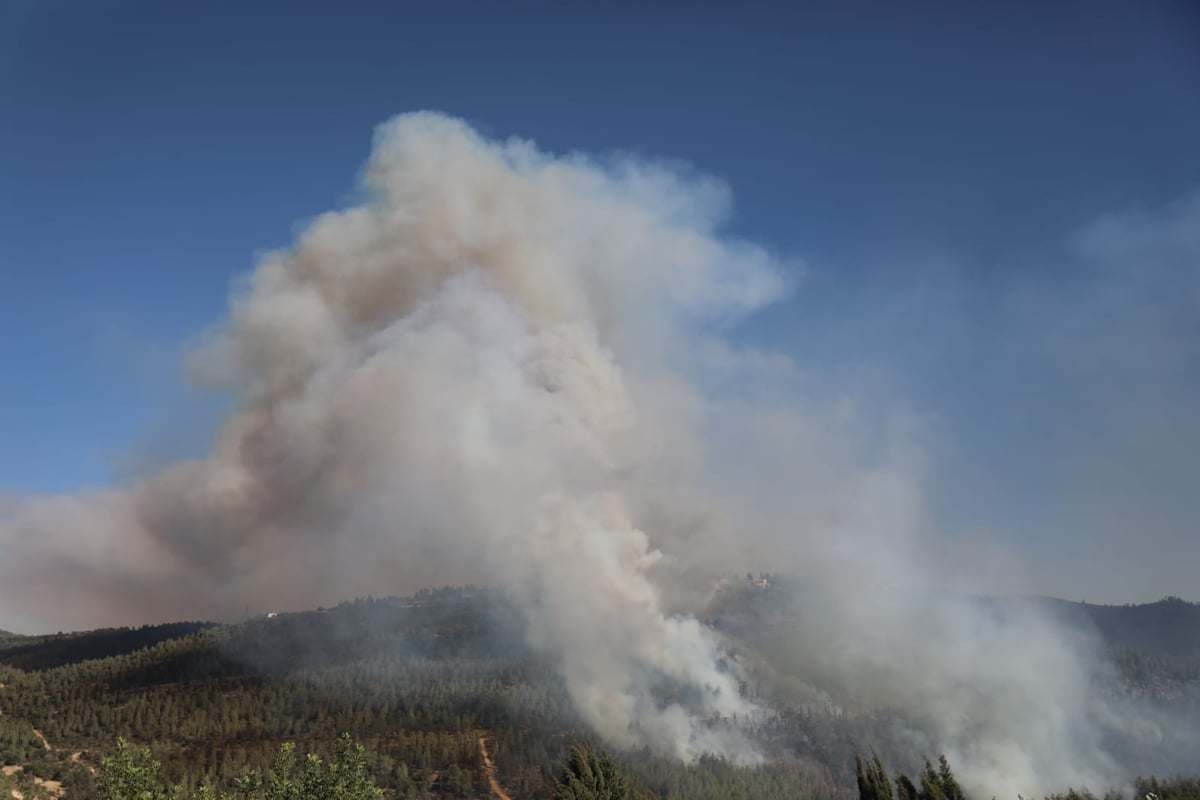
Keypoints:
pixel 509 368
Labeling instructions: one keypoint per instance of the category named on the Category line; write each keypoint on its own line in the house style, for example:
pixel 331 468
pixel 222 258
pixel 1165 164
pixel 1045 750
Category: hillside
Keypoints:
pixel 61 649
pixel 425 682
pixel 1169 627
pixel 8 638
pixel 420 680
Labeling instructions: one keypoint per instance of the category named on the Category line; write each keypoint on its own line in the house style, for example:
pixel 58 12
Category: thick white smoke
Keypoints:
pixel 438 384
pixel 507 368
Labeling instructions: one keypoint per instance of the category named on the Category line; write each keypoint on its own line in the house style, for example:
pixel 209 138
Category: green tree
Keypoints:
pixel 131 774
pixel 939 783
pixel 873 780
pixel 591 775
pixel 931 784
pixel 343 777
pixel 283 783
pixel 905 789
pixel 950 786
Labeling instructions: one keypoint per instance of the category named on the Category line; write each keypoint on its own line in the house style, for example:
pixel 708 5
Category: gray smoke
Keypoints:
pixel 508 368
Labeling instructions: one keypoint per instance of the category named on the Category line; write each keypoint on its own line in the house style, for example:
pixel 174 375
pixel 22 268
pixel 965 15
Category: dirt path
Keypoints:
pixel 36 732
pixel 490 766
pixel 77 758
pixel 54 787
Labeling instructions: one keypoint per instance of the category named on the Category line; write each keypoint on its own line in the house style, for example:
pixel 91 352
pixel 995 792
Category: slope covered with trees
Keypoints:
pixel 424 683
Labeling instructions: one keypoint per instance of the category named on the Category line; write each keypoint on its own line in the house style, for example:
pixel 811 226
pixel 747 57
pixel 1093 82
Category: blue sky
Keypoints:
pixel 996 204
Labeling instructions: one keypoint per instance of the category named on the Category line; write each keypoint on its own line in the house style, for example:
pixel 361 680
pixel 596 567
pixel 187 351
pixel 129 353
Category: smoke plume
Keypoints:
pixel 439 384
pixel 509 368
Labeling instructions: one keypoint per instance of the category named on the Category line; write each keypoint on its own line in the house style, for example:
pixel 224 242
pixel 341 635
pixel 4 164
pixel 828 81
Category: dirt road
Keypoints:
pixel 490 766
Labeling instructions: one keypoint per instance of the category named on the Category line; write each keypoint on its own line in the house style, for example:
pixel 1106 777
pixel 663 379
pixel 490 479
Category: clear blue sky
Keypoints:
pixel 944 168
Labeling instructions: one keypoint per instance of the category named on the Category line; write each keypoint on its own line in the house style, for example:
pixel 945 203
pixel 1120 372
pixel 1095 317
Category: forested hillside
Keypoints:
pixel 437 687
pixel 424 682
pixel 1170 627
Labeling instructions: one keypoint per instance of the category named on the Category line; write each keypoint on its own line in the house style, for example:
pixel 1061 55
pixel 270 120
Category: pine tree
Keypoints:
pixel 931 784
pixel 873 780
pixel 950 786
pixel 589 775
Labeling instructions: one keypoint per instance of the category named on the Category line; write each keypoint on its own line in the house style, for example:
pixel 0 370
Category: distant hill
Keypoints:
pixel 7 637
pixel 1169 627
pixel 60 649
